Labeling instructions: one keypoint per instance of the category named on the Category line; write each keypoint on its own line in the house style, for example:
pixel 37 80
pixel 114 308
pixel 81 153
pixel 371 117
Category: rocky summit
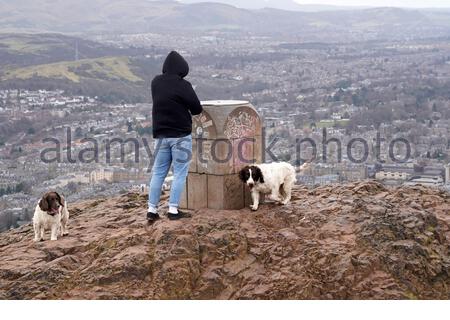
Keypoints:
pixel 355 241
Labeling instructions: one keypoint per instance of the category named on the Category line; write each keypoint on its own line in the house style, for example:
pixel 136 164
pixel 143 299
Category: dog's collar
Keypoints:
pixel 52 213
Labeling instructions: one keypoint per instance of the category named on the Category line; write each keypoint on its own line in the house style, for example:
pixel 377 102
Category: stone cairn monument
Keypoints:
pixel 227 136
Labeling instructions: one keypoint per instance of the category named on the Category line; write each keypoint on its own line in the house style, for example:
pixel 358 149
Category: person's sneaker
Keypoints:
pixel 152 216
pixel 179 215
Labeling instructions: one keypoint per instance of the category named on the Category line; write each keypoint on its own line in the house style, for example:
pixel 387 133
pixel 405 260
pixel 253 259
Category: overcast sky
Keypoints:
pixel 364 3
pixel 353 3
pixel 381 3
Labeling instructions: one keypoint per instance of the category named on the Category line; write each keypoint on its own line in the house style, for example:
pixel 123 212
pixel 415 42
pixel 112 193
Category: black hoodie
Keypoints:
pixel 174 100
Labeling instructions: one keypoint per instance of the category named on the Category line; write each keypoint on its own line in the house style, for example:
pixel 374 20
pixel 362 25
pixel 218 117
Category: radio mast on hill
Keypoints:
pixel 76 51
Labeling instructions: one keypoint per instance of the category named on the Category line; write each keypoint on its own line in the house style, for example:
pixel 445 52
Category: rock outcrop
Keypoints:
pixel 356 241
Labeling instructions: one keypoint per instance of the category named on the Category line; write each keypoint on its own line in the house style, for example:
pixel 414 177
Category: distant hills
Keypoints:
pixel 290 5
pixel 49 61
pixel 140 16
pixel 40 44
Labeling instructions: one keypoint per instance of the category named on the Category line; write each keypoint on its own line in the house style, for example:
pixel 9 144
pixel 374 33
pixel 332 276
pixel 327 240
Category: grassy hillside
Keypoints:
pixel 47 61
pixel 109 68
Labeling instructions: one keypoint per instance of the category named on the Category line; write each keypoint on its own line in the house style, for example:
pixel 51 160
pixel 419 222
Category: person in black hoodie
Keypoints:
pixel 174 104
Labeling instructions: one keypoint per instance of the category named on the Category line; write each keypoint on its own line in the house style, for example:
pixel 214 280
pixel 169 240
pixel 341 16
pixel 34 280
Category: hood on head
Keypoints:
pixel 175 64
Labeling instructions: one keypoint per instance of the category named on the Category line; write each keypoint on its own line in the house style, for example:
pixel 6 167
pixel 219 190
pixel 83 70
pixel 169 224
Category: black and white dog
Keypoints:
pixel 51 213
pixel 275 179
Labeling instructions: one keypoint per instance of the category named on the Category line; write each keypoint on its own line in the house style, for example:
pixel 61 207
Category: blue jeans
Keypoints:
pixel 170 151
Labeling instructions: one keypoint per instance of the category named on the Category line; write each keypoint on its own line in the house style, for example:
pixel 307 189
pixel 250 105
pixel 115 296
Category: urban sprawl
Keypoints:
pixel 372 91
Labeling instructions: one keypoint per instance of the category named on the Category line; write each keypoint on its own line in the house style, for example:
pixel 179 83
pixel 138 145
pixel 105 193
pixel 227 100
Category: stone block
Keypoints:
pixel 196 191
pixel 247 197
pixel 203 157
pixel 216 157
pixel 243 153
pixel 193 166
pixel 225 192
pixel 183 201
pixel 227 119
pixel 213 174
pixel 242 122
pixel 258 149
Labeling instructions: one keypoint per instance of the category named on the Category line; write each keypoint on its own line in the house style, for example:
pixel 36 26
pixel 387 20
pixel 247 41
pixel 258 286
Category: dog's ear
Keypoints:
pixel 60 199
pixel 43 203
pixel 258 175
pixel 243 174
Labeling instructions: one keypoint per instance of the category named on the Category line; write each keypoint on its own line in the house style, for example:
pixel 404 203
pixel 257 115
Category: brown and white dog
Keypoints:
pixel 276 179
pixel 51 213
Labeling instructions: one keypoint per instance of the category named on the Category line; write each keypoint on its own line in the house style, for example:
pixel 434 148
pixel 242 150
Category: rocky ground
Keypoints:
pixel 356 241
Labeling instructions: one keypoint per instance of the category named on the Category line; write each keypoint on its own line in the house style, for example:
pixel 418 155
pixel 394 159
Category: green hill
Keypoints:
pixel 48 61
pixel 108 68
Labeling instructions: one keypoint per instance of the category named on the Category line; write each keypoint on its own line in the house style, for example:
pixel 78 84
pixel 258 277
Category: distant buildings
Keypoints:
pixel 140 188
pixel 114 175
pixel 42 98
pixel 326 179
pixel 427 181
pixel 389 174
pixel 318 174
pixel 392 177
pixel 404 174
